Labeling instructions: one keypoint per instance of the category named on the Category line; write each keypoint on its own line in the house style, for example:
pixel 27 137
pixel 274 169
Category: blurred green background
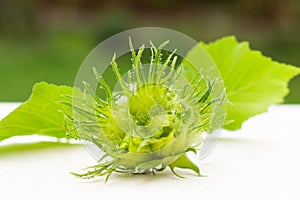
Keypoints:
pixel 47 40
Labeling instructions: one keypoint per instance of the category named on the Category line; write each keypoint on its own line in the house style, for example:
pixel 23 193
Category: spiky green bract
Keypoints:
pixel 150 120
pixel 253 82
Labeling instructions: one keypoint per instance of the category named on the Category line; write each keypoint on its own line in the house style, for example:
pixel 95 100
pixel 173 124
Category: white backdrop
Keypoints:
pixel 259 161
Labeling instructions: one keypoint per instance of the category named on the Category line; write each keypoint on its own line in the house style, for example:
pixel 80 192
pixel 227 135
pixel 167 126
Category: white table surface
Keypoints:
pixel 260 161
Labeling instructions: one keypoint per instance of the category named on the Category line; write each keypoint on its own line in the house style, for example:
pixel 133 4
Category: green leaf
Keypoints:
pixel 39 115
pixel 253 82
pixel 184 162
